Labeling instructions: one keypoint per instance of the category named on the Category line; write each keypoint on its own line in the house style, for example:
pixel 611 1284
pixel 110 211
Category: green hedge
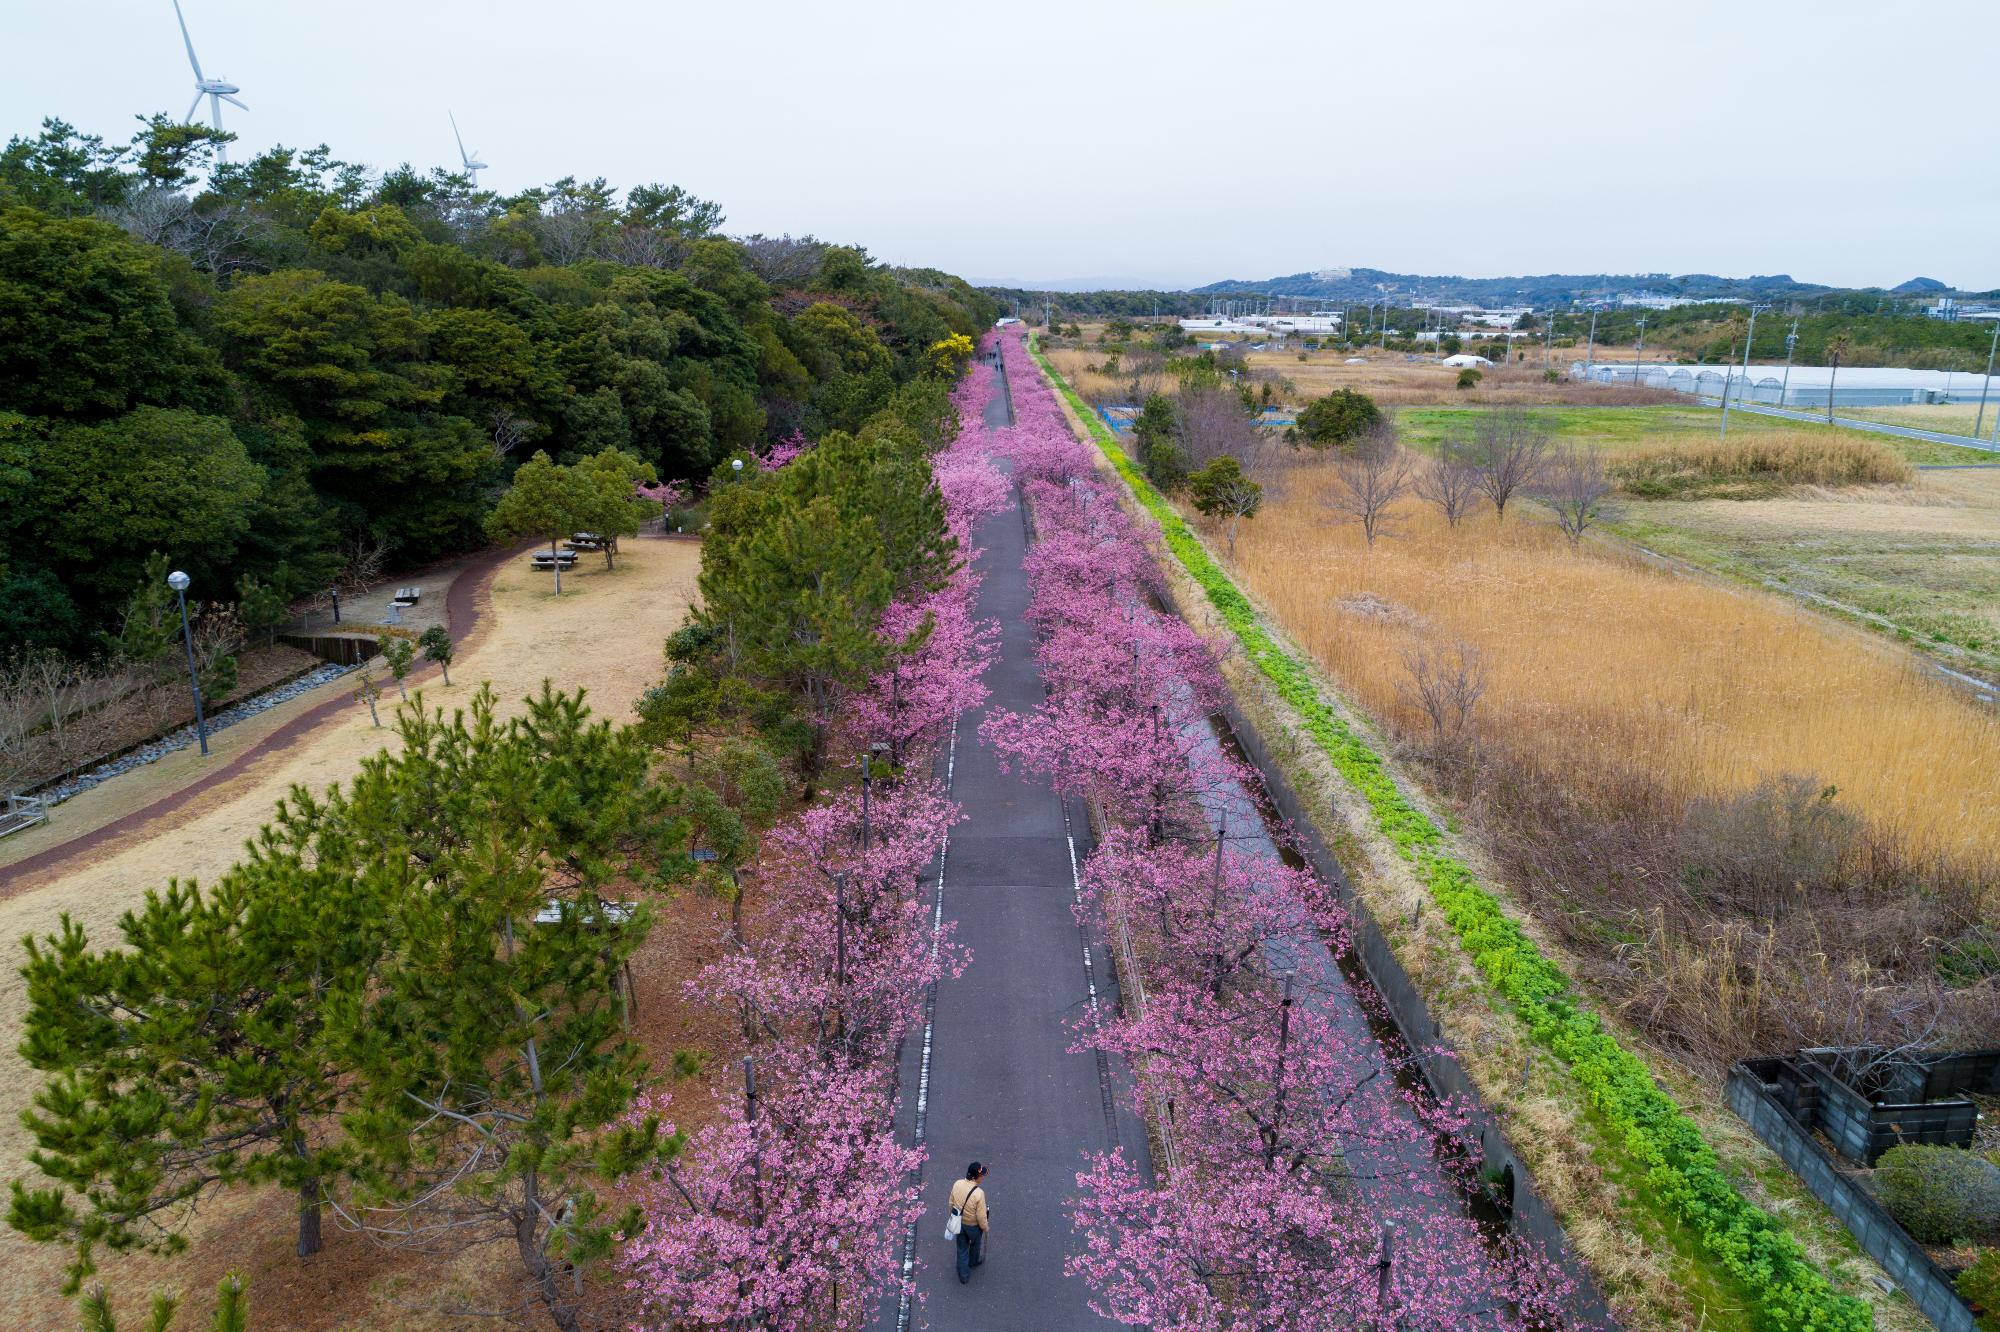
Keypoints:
pixel 1681 1169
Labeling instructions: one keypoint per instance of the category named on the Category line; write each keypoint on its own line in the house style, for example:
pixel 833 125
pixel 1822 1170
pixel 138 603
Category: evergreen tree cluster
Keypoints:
pixel 409 1005
pixel 798 566
pixel 253 366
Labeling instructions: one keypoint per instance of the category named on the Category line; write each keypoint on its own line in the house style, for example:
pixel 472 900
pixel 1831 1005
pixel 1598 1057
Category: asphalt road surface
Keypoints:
pixel 992 1075
pixel 1856 423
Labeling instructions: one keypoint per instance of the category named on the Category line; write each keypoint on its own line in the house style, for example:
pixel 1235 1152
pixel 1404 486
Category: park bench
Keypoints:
pixel 543 559
pixel 23 812
pixel 409 596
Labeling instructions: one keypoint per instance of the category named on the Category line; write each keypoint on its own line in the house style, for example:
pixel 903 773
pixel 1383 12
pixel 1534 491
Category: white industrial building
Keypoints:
pixel 1801 386
pixel 1319 321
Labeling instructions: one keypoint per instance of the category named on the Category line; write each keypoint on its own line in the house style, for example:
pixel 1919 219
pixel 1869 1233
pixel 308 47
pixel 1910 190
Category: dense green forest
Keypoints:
pixel 268 370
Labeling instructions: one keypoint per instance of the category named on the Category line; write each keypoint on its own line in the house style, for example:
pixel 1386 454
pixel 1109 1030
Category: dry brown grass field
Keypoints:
pixel 603 635
pixel 1608 656
pixel 1956 418
pixel 1393 379
pixel 1642 728
pixel 1761 458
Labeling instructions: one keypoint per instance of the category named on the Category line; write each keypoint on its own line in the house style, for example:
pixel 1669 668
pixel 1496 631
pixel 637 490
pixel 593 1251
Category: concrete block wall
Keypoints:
pixel 1922 1281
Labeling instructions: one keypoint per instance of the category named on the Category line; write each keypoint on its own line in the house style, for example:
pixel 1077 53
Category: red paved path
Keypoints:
pixel 464 601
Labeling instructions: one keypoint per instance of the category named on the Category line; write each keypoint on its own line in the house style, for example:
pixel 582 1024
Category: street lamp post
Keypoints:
pixel 1639 352
pixel 178 581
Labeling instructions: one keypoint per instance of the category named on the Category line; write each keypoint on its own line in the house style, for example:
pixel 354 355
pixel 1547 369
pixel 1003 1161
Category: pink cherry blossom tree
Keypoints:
pixel 784 1214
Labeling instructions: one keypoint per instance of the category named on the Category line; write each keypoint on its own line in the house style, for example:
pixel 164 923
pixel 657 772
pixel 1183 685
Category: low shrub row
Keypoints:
pixel 1682 1172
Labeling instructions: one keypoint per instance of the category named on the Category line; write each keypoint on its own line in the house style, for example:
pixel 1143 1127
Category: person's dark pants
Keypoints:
pixel 971 1251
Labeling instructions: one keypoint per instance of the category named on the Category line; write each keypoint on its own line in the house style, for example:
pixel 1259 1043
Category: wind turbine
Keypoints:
pixel 473 166
pixel 217 91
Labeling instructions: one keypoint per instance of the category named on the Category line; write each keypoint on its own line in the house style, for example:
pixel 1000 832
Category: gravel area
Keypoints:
pixel 181 739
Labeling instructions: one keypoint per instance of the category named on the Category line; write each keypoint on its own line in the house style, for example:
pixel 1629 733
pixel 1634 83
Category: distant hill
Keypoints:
pixel 1372 284
pixel 1920 286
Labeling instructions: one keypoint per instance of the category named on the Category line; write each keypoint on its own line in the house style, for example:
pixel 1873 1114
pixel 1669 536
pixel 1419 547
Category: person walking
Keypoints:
pixel 968 1220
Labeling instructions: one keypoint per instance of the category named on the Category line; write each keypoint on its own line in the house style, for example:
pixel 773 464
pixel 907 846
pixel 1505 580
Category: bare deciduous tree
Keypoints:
pixel 361 559
pixel 43 697
pixel 783 261
pixel 1367 482
pixel 1508 447
pixel 645 247
pixel 1210 424
pixel 1449 482
pixel 215 239
pixel 1573 485
pixel 509 430
pixel 1141 375
pixel 1445 684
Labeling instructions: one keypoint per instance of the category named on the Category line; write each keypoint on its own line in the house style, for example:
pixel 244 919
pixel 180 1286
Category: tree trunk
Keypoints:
pixel 544 1274
pixel 309 1237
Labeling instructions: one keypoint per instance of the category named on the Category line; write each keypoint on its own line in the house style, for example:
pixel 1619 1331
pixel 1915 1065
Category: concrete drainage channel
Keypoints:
pixel 173 741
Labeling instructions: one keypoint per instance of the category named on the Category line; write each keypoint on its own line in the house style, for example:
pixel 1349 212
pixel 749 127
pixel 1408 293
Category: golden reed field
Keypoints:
pixel 1595 657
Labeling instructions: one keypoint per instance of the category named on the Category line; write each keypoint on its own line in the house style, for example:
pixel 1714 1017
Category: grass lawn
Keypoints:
pixel 1611 427
pixel 1921 563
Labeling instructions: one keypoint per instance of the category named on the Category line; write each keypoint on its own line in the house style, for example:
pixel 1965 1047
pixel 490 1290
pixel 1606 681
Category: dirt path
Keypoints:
pixel 603 635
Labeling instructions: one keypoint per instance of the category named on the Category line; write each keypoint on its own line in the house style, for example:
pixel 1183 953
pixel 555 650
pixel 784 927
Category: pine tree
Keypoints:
pixel 194 1058
pixel 492 1071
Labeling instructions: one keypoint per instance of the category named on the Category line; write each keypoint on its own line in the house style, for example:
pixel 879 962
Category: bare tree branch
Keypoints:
pixel 1367 483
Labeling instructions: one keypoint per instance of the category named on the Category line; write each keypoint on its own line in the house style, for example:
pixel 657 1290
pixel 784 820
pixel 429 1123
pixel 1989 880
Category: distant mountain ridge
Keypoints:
pixel 1359 285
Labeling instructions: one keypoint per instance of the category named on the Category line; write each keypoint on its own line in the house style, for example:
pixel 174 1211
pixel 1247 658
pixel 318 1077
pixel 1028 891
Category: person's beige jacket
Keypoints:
pixel 970 1199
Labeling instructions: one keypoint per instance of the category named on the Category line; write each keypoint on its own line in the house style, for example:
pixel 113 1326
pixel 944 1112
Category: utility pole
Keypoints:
pixel 1639 353
pixel 1985 383
pixel 1791 341
pixel 1590 349
pixel 1747 340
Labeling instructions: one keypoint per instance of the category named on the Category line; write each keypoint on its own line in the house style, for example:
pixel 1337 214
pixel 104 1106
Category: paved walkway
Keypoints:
pixel 1858 423
pixel 1002 1086
pixel 464 606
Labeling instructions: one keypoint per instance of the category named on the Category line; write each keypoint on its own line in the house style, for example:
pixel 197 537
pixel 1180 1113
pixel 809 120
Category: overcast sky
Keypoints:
pixel 1841 141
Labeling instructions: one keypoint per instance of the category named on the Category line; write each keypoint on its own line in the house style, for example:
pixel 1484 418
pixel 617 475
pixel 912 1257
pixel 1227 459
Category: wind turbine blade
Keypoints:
pixel 189 41
pixel 193 107
pixel 233 101
pixel 460 138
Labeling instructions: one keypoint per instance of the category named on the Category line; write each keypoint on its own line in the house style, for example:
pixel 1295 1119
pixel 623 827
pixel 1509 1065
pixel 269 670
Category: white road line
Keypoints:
pixel 930 1023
